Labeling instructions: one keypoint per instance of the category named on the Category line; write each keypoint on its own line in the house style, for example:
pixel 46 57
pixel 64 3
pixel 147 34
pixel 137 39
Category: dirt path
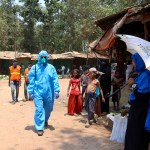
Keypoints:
pixel 64 132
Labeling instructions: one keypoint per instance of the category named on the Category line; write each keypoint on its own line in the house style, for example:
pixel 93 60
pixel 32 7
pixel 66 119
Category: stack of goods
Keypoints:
pixel 118 124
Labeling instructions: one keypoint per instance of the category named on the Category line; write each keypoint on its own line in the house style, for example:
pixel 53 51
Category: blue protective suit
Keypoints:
pixel 142 83
pixel 43 83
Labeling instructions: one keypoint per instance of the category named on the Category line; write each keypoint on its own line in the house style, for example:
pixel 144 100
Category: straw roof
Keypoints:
pixel 7 55
pixel 10 55
pixel 74 54
pixel 35 56
pixel 23 55
pixel 89 55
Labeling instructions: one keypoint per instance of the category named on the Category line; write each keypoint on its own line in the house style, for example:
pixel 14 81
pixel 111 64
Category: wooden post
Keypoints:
pixel 121 57
pixel 146 32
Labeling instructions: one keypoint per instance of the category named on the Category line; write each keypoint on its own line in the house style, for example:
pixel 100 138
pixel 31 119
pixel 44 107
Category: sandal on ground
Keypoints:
pixel 87 125
pixel 94 120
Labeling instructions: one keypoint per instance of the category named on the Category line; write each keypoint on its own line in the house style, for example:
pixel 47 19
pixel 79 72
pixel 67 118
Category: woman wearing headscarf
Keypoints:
pixel 105 82
pixel 137 135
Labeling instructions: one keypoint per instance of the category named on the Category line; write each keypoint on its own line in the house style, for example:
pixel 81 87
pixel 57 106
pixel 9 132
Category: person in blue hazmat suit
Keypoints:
pixel 138 128
pixel 43 88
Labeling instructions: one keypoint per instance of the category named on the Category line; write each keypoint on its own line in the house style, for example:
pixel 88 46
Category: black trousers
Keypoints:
pixel 25 90
pixel 105 106
pixel 137 138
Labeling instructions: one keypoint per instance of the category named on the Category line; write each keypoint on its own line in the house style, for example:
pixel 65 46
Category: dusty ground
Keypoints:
pixel 64 132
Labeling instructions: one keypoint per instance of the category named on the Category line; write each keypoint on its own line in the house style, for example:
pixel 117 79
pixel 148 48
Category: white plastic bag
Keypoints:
pixel 119 129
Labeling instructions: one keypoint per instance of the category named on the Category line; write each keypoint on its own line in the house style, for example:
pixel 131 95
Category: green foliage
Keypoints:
pixel 9 25
pixel 31 13
pixel 60 26
pixel 49 32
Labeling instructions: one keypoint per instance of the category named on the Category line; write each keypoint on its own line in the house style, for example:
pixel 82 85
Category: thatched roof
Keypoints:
pixel 11 55
pixel 35 56
pixel 68 55
pixel 23 55
pixel 74 54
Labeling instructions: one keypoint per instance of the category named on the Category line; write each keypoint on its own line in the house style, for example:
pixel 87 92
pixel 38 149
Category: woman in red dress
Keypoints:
pixel 75 101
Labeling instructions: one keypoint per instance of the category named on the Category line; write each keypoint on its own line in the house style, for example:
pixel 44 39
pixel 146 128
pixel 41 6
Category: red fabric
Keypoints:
pixel 109 38
pixel 74 104
pixel 75 83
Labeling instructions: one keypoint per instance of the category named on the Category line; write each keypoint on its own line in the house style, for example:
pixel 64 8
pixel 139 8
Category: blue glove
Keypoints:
pixel 31 97
pixel 56 95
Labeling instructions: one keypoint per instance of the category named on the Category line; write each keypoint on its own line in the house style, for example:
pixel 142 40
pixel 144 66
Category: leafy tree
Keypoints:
pixel 60 26
pixel 9 23
pixel 31 12
pixel 49 30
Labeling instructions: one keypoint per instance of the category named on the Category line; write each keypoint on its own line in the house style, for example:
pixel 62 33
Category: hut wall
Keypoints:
pixel 6 63
pixel 23 61
pixel 50 61
pixel 92 62
pixel 62 62
pixel 77 62
pixel 4 66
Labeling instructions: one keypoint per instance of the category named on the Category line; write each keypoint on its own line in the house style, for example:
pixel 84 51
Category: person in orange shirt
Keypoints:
pixel 14 80
pixel 26 83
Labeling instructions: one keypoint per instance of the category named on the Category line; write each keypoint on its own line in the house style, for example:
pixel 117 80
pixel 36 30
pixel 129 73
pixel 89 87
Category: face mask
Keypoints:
pixel 43 61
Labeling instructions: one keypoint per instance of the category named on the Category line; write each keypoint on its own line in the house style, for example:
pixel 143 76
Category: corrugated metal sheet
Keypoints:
pixel 107 41
pixel 107 22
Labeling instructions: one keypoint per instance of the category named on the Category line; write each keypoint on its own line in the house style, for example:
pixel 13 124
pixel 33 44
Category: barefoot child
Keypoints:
pixel 116 82
pixel 75 101
pixel 98 101
pixel 84 83
pixel 84 80
pixel 91 95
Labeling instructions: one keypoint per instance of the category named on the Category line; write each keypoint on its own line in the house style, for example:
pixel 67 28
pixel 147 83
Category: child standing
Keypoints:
pixel 84 80
pixel 98 101
pixel 84 83
pixel 91 95
pixel 116 82
pixel 75 101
